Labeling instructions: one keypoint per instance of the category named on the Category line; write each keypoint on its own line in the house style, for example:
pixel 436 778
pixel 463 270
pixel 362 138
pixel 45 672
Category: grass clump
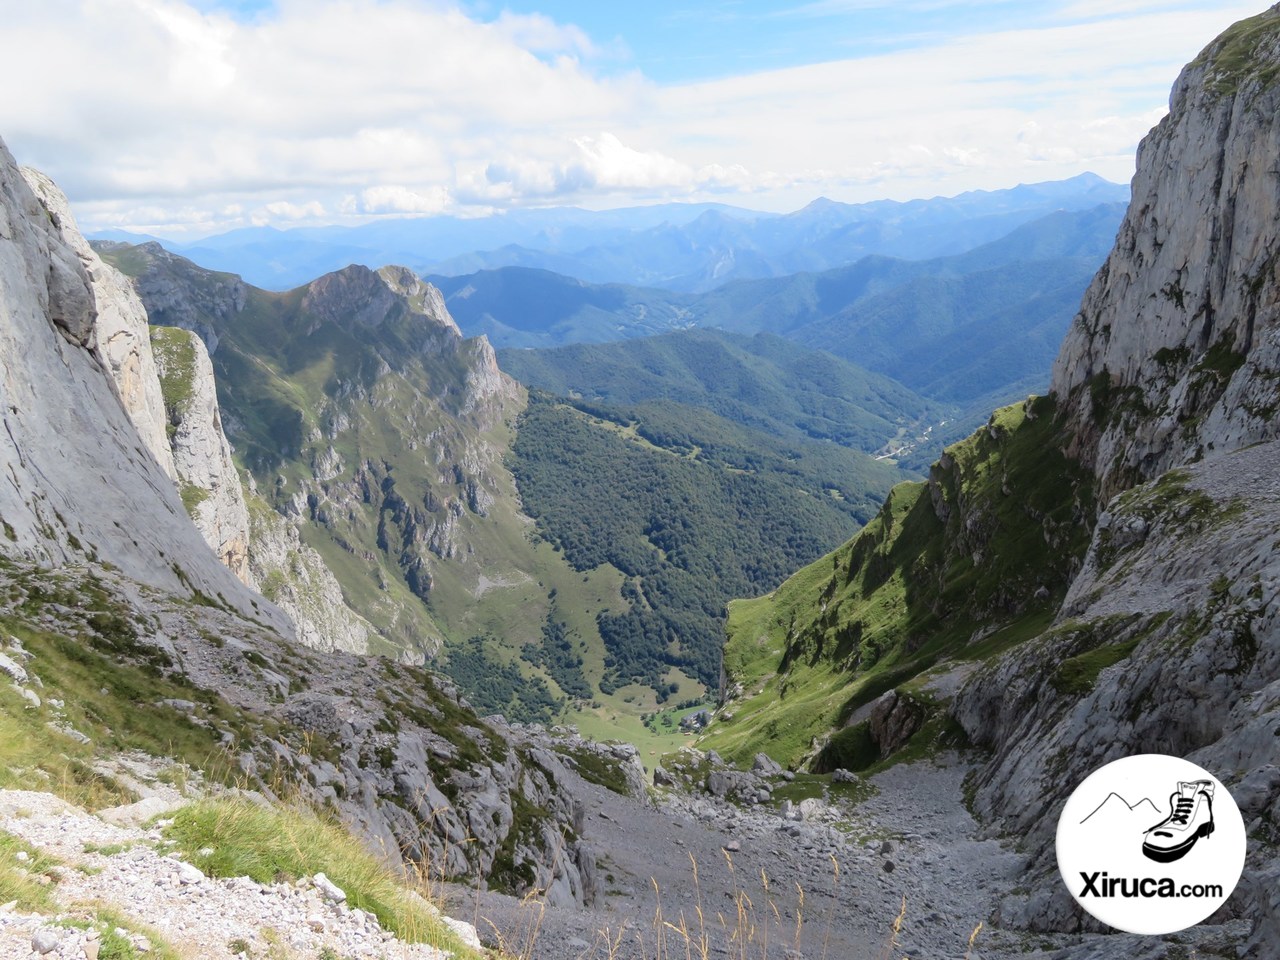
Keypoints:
pixel 175 354
pixel 192 497
pixel 18 877
pixel 1077 675
pixel 271 843
pixel 1237 55
pixel 116 934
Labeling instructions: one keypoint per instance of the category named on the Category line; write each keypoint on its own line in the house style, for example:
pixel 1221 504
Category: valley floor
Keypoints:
pixel 916 878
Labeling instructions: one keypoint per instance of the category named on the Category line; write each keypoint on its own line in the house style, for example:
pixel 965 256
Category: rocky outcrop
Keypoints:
pixel 78 473
pixel 1175 353
pixel 207 476
pixel 372 427
pixel 121 328
pixel 1168 640
pixel 1159 648
pixel 292 575
pixel 424 297
pixel 894 720
pixel 219 298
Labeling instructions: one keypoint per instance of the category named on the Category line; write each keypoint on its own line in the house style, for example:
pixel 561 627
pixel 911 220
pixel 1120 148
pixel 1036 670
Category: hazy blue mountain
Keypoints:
pixel 968 329
pixel 683 247
pixel 521 307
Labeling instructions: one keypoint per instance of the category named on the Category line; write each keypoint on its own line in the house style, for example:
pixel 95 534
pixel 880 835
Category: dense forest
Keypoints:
pixel 693 509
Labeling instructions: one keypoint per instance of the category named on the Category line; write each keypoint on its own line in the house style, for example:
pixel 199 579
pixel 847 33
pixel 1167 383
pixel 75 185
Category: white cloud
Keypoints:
pixel 400 199
pixel 163 117
pixel 284 210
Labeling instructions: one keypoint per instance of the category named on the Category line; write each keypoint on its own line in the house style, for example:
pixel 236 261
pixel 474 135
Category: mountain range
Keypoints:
pixel 399 453
pixel 691 247
pixel 237 522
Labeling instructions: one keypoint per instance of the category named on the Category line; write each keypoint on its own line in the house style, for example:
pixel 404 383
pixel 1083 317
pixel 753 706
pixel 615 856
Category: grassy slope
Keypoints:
pixel 921 583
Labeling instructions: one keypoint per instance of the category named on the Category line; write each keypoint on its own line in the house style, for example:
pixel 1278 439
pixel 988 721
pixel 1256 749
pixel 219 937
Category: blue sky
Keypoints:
pixel 188 117
pixel 681 42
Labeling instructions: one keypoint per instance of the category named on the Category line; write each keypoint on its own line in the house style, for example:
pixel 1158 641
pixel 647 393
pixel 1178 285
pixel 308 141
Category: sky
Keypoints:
pixel 184 118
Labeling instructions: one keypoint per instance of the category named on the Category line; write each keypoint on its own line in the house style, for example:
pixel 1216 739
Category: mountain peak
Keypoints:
pixel 1167 361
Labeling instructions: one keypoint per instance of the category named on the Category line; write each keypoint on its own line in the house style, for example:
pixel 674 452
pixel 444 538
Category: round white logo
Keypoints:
pixel 1151 844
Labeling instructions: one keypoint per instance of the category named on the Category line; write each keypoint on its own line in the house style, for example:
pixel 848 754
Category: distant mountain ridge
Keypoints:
pixel 970 330
pixel 763 382
pixel 686 247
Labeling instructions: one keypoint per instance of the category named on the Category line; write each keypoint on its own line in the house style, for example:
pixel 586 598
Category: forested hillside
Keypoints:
pixel 762 382
pixel 693 509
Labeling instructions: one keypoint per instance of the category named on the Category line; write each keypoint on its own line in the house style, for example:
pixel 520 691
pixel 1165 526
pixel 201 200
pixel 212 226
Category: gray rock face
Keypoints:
pixel 292 575
pixel 121 328
pixel 174 304
pixel 1159 648
pixel 76 465
pixel 207 476
pixel 421 294
pixel 1175 352
pixel 1168 640
pixel 894 719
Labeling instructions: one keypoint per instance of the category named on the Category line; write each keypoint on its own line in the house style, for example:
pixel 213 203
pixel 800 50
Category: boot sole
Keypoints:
pixel 1170 854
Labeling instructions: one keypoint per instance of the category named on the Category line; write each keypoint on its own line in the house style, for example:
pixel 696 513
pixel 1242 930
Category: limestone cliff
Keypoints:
pixel 1175 353
pixel 82 483
pixel 121 327
pixel 1168 639
pixel 207 477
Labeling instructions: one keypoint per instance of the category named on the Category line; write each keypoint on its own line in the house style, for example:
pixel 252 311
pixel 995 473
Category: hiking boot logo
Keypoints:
pixel 1190 818
pixel 1126 857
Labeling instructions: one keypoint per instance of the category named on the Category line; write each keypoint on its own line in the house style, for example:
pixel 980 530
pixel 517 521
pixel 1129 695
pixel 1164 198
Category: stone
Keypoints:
pixel 189 875
pixel 47 939
pixel 328 889
pixel 812 808
pixel 843 776
pixel 137 813
pixel 465 932
pixel 895 717
pixel 13 670
pixel 765 766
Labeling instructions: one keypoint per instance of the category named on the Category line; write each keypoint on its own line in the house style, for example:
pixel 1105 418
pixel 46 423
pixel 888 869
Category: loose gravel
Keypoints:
pixel 134 875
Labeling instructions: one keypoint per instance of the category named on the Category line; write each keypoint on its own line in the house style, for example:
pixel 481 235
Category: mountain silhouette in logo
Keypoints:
pixel 1116 809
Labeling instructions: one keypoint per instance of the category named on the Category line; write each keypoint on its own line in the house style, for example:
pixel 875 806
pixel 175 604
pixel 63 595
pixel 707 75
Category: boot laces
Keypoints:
pixel 1183 810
